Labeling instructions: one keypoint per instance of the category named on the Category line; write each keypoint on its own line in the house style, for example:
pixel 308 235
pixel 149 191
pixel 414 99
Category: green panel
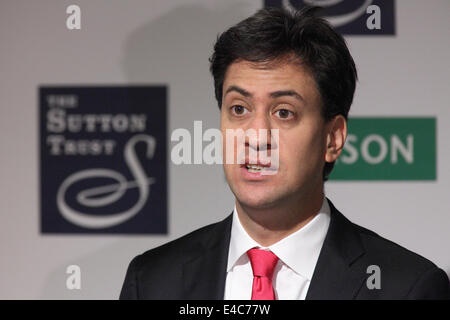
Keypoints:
pixel 388 149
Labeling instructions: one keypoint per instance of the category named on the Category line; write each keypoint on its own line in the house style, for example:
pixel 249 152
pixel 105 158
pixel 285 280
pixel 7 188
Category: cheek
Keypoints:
pixel 230 148
pixel 302 150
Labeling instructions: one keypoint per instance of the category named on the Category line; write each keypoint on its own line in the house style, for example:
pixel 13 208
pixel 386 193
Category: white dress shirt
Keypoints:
pixel 297 253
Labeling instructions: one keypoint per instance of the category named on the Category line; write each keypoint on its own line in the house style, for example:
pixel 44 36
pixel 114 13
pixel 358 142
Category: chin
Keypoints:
pixel 257 199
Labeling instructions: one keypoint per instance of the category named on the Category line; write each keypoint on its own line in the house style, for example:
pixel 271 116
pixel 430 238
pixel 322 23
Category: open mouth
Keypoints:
pixel 254 168
pixel 258 169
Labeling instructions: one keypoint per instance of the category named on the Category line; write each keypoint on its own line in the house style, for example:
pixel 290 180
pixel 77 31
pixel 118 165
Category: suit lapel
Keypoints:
pixel 336 276
pixel 204 275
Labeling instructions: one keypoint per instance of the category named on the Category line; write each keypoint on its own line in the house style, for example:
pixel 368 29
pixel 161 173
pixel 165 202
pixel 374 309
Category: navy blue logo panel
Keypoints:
pixel 103 159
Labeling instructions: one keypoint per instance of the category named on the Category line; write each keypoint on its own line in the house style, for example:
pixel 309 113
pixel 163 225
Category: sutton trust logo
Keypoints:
pixel 103 159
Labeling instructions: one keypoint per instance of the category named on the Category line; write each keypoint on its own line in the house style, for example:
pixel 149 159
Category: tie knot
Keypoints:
pixel 263 262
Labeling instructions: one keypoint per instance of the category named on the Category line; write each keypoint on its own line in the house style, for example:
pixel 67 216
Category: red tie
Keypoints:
pixel 263 263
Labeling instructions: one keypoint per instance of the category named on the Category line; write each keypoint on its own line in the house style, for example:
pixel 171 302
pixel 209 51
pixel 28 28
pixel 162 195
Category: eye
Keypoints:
pixel 238 110
pixel 284 113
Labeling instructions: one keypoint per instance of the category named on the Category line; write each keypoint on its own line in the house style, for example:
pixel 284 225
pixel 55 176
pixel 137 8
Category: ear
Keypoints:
pixel 336 135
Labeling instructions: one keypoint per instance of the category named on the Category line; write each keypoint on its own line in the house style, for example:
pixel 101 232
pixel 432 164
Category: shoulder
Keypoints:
pixel 403 273
pixel 391 253
pixel 400 272
pixel 182 249
pixel 373 246
pixel 158 273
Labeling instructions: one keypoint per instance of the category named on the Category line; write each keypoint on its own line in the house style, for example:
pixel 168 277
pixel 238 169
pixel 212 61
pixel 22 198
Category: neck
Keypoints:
pixel 269 225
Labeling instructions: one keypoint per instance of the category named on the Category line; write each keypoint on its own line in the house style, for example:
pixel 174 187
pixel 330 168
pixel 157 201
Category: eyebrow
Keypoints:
pixel 275 94
pixel 290 93
pixel 243 92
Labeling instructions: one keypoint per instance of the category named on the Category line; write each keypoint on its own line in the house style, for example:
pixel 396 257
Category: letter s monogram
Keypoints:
pixel 114 191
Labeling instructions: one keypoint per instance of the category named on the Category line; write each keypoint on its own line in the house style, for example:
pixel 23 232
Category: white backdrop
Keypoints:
pixel 169 42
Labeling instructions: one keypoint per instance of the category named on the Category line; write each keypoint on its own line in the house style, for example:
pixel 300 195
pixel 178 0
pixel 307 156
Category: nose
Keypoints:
pixel 258 132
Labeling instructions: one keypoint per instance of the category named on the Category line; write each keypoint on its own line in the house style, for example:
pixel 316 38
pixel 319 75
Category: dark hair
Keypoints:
pixel 274 33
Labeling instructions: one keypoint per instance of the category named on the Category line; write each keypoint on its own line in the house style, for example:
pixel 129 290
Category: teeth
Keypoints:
pixel 253 168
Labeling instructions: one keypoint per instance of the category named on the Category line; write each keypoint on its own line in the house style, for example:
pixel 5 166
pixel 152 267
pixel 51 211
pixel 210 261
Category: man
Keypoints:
pixel 289 72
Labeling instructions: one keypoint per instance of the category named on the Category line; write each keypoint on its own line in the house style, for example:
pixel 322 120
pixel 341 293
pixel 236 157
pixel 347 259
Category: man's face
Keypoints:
pixel 282 97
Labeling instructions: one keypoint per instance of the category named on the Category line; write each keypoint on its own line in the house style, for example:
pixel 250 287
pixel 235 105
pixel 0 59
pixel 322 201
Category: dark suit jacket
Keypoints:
pixel 194 267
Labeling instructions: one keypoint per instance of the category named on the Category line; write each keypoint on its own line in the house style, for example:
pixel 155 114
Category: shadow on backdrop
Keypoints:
pixel 171 49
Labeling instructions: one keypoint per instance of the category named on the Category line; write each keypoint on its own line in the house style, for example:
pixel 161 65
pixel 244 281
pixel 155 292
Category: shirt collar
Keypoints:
pixel 299 251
